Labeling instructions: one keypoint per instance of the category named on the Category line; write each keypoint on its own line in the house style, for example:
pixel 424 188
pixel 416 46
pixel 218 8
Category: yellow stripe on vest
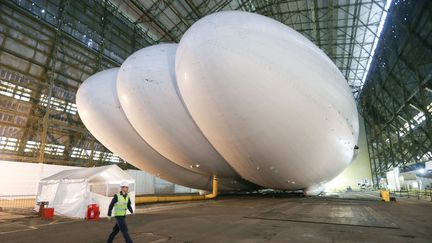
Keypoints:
pixel 120 207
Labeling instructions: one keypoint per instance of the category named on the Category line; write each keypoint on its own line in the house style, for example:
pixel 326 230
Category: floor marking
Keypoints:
pixel 316 222
pixel 15 231
pixel 161 208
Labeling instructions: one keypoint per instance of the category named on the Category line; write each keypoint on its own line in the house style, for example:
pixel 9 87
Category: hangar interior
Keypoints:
pixel 383 48
pixel 49 47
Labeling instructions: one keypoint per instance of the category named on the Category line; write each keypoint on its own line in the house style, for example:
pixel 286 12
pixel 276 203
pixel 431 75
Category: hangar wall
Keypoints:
pixel 396 100
pixel 21 179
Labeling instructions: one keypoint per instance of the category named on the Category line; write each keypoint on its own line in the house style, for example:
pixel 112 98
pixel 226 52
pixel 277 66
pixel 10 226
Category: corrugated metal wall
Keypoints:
pixel 149 184
pixel 25 178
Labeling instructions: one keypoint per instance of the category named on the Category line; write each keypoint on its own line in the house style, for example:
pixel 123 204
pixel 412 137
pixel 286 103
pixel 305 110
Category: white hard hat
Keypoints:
pixel 124 183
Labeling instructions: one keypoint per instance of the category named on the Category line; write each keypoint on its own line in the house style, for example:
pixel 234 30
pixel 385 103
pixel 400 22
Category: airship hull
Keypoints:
pixel 100 111
pixel 270 101
pixel 241 95
pixel 147 90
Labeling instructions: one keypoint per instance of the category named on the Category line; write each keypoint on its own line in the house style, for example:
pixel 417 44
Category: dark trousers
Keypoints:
pixel 120 226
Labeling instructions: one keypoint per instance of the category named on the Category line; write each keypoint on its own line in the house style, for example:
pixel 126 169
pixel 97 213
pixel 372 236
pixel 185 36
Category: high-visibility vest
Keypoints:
pixel 120 207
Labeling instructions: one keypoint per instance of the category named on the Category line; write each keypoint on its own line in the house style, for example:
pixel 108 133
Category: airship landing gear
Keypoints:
pixel 313 190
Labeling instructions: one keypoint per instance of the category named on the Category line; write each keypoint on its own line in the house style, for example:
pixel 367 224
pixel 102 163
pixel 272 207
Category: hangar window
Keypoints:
pixel 413 123
pixel 59 104
pixel 71 108
pixel 31 146
pixel 426 157
pixel 15 91
pixel 97 155
pixel 55 103
pixel 80 153
pixel 54 149
pixel 419 118
pixel 8 143
pixel 113 158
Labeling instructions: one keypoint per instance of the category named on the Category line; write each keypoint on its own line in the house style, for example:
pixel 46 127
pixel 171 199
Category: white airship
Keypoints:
pixel 269 100
pixel 148 93
pixel 241 95
pixel 100 111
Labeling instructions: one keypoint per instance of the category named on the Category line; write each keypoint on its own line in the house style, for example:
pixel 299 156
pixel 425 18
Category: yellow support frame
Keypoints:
pixel 154 199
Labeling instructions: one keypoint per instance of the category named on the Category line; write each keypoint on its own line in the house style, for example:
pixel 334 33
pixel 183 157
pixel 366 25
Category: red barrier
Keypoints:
pixel 48 213
pixel 93 212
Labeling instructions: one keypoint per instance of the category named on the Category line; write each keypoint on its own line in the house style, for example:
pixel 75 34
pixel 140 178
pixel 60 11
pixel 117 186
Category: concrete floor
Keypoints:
pixel 352 218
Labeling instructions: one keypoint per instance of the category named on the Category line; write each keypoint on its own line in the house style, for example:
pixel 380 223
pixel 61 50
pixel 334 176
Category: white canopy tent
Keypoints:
pixel 69 192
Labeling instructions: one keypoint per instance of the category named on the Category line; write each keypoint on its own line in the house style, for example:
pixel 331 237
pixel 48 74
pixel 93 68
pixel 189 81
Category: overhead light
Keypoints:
pixel 421 171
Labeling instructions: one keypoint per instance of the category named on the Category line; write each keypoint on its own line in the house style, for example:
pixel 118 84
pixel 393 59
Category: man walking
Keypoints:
pixel 121 203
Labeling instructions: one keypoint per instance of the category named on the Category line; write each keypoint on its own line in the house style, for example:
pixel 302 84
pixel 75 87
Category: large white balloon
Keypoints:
pixel 270 101
pixel 100 111
pixel 147 89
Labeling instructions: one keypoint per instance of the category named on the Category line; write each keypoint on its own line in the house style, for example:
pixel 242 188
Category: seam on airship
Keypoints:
pixel 202 139
pixel 177 90
pixel 144 141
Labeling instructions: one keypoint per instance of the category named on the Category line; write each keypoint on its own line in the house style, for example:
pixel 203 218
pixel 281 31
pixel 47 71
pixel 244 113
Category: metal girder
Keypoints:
pixel 51 78
pixel 334 26
pixel 396 90
pixel 153 20
pixel 44 124
pixel 193 8
pixel 315 22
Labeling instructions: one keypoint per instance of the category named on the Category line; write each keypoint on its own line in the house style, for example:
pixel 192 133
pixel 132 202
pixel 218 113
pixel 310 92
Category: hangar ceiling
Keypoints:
pixel 347 31
pixel 49 47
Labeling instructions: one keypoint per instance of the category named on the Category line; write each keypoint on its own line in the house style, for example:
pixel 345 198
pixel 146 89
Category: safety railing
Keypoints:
pixel 17 201
pixel 414 194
